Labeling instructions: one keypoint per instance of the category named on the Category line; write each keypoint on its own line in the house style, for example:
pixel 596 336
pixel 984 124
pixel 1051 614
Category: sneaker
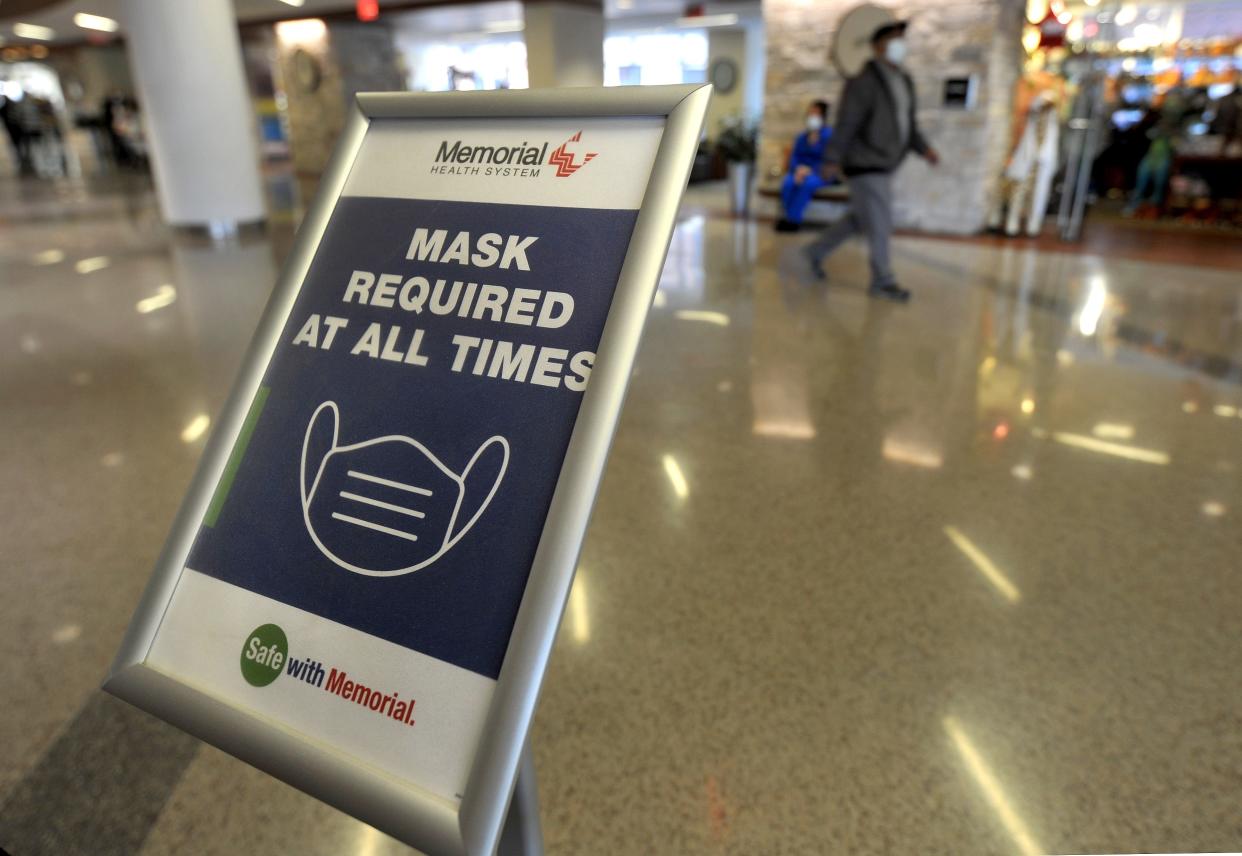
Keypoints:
pixel 814 262
pixel 892 291
pixel 784 225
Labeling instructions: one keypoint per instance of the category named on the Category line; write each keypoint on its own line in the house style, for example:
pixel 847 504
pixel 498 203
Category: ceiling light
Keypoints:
pixel 300 32
pixel 34 31
pixel 914 454
pixel 579 613
pixel 983 564
pixel 675 477
pixel 293 2
pixel 728 20
pixel 67 633
pixel 1089 318
pixel 717 318
pixel 196 428
pixel 164 296
pixel 87 21
pixel 791 429
pixel 1114 431
pixel 92 264
pixel 1132 453
pixel 992 789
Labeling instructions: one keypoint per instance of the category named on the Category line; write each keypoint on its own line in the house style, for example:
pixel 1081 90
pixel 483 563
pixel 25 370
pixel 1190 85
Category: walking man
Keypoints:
pixel 875 128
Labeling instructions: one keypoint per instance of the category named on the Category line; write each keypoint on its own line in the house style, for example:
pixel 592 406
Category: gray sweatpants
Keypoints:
pixel 871 214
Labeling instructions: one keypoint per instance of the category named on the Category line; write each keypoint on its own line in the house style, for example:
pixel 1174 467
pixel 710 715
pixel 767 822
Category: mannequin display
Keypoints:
pixel 1027 181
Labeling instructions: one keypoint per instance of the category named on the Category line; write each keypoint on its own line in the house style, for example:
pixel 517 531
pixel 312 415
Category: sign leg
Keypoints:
pixel 522 835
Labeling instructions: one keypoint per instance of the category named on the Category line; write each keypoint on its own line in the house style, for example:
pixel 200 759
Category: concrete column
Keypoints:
pixel 187 65
pixel 323 65
pixel 564 43
pixel 982 39
pixel 756 66
pixel 727 44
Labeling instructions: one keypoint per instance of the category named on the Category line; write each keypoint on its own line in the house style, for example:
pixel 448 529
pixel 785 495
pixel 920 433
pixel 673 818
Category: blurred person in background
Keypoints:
pixel 805 162
pixel 1227 121
pixel 122 122
pixel 1153 170
pixel 876 127
pixel 44 130
pixel 12 114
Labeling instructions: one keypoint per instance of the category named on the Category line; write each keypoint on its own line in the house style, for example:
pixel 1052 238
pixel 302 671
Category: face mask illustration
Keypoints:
pixel 388 506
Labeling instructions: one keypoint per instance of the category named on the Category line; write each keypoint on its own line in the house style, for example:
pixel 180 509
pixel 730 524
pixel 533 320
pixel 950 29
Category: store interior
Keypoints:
pixel 1144 100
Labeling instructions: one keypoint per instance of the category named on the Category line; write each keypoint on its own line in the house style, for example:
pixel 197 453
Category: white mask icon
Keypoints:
pixel 388 506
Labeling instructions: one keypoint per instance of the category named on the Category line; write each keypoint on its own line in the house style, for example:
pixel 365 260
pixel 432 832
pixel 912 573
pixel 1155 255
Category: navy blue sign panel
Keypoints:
pixel 416 417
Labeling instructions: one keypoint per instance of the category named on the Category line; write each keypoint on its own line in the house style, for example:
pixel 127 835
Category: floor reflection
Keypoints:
pixel 956 576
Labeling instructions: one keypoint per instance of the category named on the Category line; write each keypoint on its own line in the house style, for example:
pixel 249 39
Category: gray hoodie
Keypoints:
pixel 867 136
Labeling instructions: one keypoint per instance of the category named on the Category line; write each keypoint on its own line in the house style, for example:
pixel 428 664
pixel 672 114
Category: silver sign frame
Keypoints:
pixel 399 808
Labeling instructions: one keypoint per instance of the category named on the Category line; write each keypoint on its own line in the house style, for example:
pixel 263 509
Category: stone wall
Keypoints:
pixel 953 39
pixel 348 58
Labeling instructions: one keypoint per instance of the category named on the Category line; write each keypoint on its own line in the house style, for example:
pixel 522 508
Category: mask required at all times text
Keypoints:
pixel 500 359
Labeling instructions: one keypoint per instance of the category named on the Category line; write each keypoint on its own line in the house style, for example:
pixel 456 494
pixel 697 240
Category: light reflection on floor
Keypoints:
pixel 773 635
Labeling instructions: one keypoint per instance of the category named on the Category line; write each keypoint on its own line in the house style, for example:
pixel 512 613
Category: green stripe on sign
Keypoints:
pixel 235 457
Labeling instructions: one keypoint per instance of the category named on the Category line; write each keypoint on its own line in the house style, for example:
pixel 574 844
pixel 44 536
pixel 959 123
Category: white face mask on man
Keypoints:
pixel 814 122
pixel 895 51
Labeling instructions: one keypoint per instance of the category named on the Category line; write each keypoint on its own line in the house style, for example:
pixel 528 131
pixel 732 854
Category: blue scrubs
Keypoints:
pixel 795 197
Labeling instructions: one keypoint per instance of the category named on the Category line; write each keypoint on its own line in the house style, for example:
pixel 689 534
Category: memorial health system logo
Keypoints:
pixel 521 160
pixel 564 161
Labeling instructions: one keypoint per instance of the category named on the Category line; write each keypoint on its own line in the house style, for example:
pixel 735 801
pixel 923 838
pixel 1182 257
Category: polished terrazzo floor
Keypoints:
pixel 954 577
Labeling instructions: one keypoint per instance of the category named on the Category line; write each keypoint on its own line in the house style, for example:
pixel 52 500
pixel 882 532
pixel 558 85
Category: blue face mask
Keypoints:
pixel 895 51
pixel 388 506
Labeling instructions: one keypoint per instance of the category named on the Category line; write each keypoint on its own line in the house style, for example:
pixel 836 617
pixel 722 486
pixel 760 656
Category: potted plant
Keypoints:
pixel 737 143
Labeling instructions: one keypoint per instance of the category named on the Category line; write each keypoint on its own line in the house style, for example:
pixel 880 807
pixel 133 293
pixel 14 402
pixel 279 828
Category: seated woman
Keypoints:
pixel 803 178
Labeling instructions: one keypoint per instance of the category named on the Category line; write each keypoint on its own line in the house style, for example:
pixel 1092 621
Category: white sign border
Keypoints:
pixel 412 814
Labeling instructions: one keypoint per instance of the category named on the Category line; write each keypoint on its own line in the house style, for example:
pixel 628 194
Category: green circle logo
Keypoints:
pixel 264 654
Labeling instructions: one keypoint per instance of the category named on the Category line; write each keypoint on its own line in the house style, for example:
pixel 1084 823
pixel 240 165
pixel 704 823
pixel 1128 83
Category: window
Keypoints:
pixel 655 58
